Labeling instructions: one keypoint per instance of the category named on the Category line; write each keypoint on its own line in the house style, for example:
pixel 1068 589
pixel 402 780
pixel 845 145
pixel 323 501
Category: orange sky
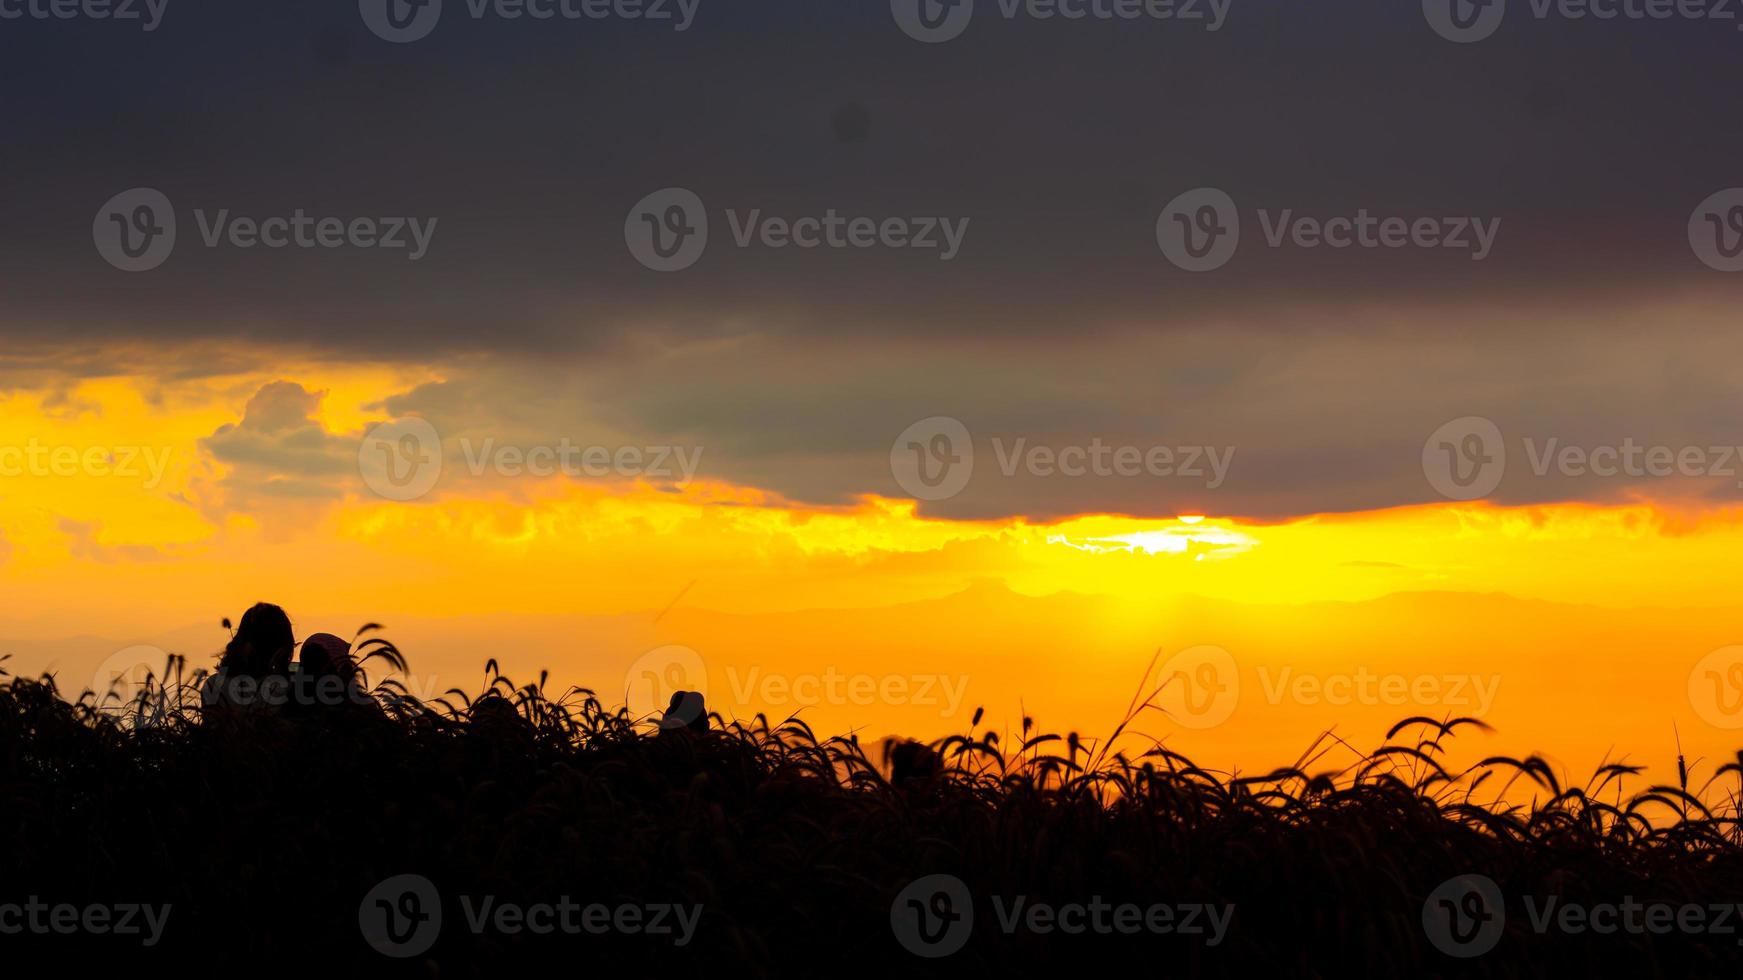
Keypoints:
pixel 1580 630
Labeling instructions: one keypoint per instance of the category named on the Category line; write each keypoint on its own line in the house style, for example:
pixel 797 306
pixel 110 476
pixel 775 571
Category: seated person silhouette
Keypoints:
pixel 495 719
pixel 326 673
pixel 259 651
pixel 912 764
pixel 688 712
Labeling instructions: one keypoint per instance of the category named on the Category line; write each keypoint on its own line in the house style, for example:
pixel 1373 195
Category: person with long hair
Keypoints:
pixel 259 650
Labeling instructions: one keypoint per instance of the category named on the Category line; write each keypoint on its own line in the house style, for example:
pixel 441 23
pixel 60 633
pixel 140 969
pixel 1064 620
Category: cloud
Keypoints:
pixel 1319 113
pixel 279 450
pixel 1061 325
pixel 1320 421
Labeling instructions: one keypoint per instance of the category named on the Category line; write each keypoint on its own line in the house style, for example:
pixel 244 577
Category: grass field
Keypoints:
pixel 556 832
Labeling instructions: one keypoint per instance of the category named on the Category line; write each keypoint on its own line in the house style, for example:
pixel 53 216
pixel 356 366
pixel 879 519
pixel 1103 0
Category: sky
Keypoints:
pixel 950 393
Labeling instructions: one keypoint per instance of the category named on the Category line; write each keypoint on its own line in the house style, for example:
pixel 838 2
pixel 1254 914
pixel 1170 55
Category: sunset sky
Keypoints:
pixel 180 442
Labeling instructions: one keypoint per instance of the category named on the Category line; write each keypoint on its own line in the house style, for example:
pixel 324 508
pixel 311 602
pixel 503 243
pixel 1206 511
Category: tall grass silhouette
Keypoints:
pixel 264 829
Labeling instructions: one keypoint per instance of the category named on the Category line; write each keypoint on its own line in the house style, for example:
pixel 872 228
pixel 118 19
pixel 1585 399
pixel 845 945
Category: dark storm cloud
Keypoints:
pixel 1061 142
pixel 1322 421
pixel 503 157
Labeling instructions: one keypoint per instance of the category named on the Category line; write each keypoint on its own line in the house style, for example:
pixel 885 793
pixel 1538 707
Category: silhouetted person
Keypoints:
pixel 326 673
pixel 495 715
pixel 262 643
pixel 688 712
pixel 498 739
pixel 257 655
pixel 326 655
pixel 912 764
